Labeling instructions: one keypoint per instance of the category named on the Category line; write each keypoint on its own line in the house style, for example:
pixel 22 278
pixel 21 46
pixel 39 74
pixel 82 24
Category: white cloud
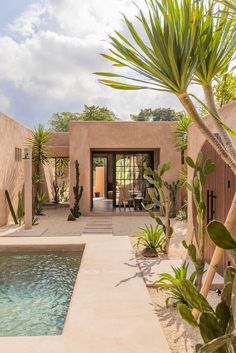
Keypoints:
pixel 4 103
pixel 29 20
pixel 57 49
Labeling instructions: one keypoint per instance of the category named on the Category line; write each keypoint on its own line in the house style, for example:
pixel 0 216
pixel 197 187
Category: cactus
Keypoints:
pixel 155 178
pixel 78 191
pixel 217 327
pixel 11 207
pixel 173 189
pixel 196 251
pixel 20 208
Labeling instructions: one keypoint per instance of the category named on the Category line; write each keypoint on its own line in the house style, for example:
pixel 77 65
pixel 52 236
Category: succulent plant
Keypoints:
pixel 157 195
pixel 153 240
pixel 11 207
pixel 173 188
pixel 196 249
pixel 171 283
pixel 78 191
pixel 217 327
pixel 20 207
pixel 41 197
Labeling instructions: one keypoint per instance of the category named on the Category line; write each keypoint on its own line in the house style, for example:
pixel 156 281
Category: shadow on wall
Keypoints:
pixel 11 179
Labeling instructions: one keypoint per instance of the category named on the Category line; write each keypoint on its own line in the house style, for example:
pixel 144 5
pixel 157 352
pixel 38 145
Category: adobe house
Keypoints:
pixel 121 148
pixel 221 184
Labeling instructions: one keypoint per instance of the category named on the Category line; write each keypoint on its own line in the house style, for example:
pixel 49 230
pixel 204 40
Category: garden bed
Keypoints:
pixel 180 336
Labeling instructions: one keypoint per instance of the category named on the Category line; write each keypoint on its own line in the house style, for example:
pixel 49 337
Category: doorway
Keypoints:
pixel 116 170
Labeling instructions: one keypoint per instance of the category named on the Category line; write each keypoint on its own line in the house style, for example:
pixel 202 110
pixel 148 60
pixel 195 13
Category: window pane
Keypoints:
pixel 119 160
pixel 147 159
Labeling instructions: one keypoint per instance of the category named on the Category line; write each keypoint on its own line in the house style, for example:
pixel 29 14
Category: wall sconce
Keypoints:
pixel 26 156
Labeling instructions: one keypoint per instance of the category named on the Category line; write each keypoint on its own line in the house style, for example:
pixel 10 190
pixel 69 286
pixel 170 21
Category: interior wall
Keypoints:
pixel 12 135
pixel 99 182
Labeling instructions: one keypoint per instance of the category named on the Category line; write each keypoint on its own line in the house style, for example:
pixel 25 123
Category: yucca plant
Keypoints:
pixel 152 239
pixel 38 142
pixel 171 284
pixel 181 131
pixel 217 46
pixel 183 40
pixel 231 4
pixel 170 57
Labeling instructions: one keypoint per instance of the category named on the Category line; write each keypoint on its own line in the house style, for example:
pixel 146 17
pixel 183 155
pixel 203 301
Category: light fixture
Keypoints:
pixel 26 156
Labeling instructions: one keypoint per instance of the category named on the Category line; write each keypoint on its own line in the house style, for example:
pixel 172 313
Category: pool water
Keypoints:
pixel 35 291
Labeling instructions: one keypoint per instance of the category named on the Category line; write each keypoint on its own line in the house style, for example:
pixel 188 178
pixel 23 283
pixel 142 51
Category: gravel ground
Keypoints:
pixel 181 337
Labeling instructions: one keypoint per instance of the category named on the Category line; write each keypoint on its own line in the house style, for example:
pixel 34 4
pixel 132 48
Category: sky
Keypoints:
pixel 49 51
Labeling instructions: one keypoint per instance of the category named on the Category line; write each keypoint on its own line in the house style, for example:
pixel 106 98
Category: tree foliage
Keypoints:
pixel 225 89
pixel 181 131
pixel 60 121
pixel 158 114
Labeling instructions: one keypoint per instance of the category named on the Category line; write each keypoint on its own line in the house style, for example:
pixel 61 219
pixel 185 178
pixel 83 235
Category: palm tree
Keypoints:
pixel 170 55
pixel 184 41
pixel 231 4
pixel 38 143
pixel 181 131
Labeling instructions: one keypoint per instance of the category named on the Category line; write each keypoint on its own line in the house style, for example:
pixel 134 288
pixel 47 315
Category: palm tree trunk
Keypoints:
pixel 211 138
pixel 230 220
pixel 226 138
pixel 217 256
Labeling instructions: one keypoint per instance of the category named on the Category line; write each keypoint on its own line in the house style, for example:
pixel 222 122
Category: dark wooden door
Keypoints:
pixel 219 192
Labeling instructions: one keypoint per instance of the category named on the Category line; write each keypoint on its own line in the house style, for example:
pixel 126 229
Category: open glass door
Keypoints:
pixel 129 171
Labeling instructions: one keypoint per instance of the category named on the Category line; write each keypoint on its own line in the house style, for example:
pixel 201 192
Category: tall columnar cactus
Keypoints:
pixel 11 207
pixel 173 188
pixel 20 207
pixel 78 191
pixel 196 249
pixel 217 327
pixel 157 195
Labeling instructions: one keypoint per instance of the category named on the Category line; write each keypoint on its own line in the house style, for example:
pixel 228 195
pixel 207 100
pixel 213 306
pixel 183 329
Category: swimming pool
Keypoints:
pixel 35 291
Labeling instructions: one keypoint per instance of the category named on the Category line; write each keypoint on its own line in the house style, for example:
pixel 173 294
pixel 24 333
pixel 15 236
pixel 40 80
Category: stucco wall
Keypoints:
pixel 196 141
pixel 12 134
pixel 87 136
pixel 59 144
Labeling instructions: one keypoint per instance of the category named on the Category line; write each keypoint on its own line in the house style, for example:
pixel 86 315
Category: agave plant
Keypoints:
pixel 171 284
pixel 153 239
pixel 41 197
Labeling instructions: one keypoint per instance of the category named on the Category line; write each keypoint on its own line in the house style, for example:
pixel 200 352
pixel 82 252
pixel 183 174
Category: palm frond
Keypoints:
pixel 166 55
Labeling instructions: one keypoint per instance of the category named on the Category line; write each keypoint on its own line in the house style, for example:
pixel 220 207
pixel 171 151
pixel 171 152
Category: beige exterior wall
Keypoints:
pixel 88 136
pixel 196 141
pixel 12 135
